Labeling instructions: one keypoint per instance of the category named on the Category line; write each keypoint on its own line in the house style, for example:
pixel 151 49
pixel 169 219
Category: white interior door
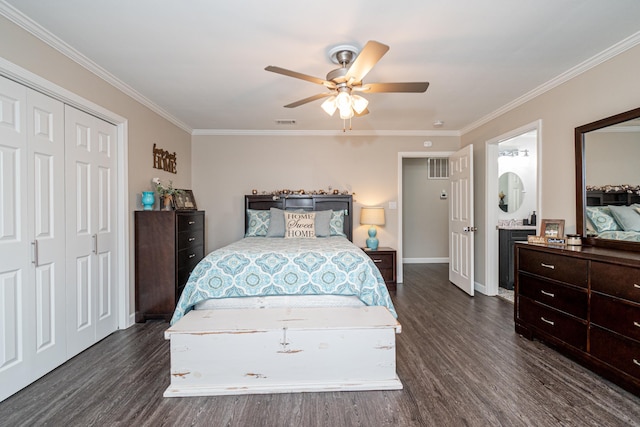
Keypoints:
pixel 91 240
pixel 461 228
pixel 45 124
pixel 32 238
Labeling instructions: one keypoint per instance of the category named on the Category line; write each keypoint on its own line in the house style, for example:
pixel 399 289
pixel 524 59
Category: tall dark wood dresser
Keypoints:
pixel 168 245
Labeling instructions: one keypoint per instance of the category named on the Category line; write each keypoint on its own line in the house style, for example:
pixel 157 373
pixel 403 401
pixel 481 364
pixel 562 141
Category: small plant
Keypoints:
pixel 165 190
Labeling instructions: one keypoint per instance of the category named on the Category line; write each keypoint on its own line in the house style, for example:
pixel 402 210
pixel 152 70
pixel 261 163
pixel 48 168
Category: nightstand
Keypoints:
pixel 385 260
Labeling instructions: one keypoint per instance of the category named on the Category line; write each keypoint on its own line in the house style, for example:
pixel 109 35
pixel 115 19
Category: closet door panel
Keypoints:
pixel 45 124
pixel 105 228
pixel 91 242
pixel 17 327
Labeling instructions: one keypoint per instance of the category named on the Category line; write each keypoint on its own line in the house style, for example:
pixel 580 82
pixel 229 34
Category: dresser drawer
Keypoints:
pixel 562 326
pixel 563 268
pixel 616 315
pixel 615 350
pixel 189 258
pixel 571 300
pixel 620 281
pixel 190 238
pixel 191 221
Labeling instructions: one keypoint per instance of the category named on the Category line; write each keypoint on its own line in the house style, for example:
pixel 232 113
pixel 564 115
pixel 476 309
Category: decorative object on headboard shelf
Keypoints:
pixel 286 192
pixel 615 188
pixel 164 160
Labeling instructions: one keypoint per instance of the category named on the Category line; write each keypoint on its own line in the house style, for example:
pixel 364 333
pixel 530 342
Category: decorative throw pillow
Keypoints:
pixel 276 224
pixel 258 223
pixel 299 225
pixel 323 220
pixel 336 225
pixel 626 217
pixel 601 219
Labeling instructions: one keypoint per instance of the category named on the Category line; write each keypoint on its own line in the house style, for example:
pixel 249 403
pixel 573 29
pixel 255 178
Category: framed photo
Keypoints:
pixel 552 228
pixel 184 200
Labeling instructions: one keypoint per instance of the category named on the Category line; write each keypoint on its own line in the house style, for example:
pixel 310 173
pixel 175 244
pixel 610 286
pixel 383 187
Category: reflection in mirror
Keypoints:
pixel 608 181
pixel 510 192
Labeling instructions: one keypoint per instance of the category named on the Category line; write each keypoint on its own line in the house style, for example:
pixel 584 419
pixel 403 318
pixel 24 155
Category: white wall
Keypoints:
pixel 425 214
pixel 607 89
pixel 225 168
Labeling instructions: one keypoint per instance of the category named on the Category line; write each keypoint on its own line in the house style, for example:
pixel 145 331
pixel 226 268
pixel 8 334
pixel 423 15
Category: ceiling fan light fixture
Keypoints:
pixel 329 106
pixel 359 103
pixel 343 100
pixel 346 113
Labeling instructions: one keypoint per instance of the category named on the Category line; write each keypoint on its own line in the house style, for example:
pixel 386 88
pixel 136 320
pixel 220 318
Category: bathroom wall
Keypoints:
pixel 525 166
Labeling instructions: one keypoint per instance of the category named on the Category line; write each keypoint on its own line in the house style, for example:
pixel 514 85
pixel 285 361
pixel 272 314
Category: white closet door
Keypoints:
pixel 91 241
pixel 32 285
pixel 46 211
pixel 16 271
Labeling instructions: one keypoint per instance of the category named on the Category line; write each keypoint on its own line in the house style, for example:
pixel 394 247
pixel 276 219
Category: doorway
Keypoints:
pixel 514 154
pixel 402 206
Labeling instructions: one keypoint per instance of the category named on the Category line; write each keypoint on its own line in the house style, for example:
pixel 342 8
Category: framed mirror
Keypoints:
pixel 608 181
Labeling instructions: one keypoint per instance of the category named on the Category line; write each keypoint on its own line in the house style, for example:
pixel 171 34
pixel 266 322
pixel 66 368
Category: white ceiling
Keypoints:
pixel 201 62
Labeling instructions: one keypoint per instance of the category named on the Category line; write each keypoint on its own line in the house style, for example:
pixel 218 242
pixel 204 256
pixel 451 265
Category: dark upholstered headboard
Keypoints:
pixel 307 202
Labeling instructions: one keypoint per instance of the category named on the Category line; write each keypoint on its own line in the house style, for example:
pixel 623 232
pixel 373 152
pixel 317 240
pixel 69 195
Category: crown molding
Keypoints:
pixel 590 63
pixel 26 23
pixel 41 33
pixel 267 132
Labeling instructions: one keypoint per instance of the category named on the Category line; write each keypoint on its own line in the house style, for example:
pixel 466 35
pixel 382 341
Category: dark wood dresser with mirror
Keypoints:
pixel 585 300
pixel 168 245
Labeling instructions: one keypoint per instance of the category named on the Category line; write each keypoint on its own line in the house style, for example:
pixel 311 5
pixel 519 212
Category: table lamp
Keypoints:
pixel 372 216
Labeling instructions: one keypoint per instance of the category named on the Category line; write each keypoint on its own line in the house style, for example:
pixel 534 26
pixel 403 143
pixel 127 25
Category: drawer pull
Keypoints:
pixel 549 294
pixel 551 266
pixel 635 285
pixel 191 222
pixel 636 324
pixel 191 255
pixel 636 362
pixel 191 239
pixel 377 260
pixel 548 321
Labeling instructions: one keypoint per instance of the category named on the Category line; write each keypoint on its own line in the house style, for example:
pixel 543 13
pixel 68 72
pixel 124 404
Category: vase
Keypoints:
pixel 167 203
pixel 148 200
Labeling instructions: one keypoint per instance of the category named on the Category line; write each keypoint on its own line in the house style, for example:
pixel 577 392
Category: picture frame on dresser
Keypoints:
pixel 553 228
pixel 183 200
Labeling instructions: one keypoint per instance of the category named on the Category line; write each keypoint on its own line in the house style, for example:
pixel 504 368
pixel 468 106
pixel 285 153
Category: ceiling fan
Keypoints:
pixel 343 81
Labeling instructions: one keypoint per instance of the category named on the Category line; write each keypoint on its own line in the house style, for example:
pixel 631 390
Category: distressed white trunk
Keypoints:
pixel 282 350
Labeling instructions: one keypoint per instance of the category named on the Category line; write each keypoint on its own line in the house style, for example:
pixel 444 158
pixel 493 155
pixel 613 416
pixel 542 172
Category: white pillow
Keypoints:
pixel 299 225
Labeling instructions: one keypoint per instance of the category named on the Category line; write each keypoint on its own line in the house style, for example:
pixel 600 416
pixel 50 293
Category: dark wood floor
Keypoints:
pixel 458 357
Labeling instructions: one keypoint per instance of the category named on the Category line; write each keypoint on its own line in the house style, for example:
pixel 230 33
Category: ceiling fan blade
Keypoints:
pixel 416 87
pixel 364 113
pixel 368 57
pixel 309 99
pixel 301 76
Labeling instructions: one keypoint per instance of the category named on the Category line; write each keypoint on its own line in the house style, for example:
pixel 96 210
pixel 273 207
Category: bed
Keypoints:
pixel 253 296
pixel 612 213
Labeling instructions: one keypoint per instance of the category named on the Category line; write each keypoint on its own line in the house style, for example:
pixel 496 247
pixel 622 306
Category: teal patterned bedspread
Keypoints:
pixel 260 266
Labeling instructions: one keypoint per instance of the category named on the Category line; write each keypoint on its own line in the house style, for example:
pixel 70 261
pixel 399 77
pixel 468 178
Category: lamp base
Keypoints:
pixel 372 241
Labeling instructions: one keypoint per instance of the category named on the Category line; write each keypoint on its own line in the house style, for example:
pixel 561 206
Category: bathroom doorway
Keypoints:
pixel 512 183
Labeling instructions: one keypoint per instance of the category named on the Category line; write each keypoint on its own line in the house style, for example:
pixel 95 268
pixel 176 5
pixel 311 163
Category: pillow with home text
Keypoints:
pixel 299 225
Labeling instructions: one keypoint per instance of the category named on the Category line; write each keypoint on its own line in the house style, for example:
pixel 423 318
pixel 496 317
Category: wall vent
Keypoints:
pixel 438 167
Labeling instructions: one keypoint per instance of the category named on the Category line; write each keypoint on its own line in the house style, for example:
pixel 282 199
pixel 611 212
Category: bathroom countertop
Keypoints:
pixel 515 227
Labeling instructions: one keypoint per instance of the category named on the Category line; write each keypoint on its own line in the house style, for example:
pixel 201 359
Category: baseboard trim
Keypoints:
pixel 425 260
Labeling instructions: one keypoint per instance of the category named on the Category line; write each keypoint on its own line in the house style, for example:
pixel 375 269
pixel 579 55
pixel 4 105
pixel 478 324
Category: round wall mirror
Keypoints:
pixel 510 192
